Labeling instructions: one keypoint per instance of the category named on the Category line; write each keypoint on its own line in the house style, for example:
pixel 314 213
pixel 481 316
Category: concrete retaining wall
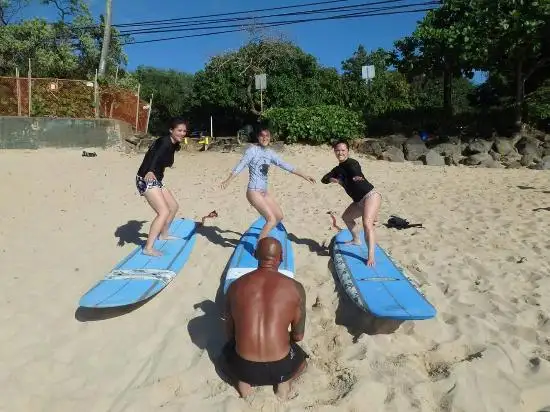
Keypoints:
pixel 36 132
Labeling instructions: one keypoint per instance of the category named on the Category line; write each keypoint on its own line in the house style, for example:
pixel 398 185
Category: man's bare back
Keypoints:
pixel 260 307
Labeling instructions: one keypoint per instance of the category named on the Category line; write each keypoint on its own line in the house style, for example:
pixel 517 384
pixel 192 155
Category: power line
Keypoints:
pixel 151 22
pixel 276 24
pixel 363 6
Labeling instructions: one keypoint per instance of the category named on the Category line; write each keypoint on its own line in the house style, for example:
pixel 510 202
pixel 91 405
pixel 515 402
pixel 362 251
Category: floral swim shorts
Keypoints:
pixel 142 185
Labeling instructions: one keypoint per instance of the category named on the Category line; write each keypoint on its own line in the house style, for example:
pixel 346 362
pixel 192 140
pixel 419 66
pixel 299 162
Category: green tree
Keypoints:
pixel 516 36
pixel 9 9
pixel 172 95
pixel 226 86
pixel 505 38
pixel 426 93
pixel 388 91
pixel 67 48
pixel 438 49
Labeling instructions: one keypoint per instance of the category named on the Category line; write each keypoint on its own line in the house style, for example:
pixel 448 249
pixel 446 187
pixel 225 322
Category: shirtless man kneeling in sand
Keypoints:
pixel 259 308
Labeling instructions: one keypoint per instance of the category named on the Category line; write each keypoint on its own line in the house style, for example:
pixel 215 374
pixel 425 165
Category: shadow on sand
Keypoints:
pixel 131 233
pixel 532 188
pixel 214 235
pixel 83 314
pixel 207 332
pixel 356 320
pixel 314 247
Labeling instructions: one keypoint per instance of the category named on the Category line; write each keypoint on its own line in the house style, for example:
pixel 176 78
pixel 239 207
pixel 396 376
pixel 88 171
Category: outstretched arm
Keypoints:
pixel 330 177
pixel 298 324
pixel 245 160
pixel 276 160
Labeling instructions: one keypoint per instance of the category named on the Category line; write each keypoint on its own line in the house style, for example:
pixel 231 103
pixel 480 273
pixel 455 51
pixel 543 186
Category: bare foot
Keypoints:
pixel 370 261
pixel 283 390
pixel 353 242
pixel 244 389
pixel 152 252
pixel 168 237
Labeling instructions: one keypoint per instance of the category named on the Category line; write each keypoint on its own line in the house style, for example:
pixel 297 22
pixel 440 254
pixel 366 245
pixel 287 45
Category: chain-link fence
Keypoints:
pixel 72 98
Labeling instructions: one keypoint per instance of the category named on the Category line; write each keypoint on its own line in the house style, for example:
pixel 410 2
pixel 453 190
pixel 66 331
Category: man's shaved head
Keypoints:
pixel 269 249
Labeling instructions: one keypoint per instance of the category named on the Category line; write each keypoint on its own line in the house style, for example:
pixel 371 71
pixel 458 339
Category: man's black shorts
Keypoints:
pixel 264 373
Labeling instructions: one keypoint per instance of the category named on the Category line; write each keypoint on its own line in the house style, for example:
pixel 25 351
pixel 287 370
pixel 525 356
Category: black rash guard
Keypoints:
pixel 345 172
pixel 159 156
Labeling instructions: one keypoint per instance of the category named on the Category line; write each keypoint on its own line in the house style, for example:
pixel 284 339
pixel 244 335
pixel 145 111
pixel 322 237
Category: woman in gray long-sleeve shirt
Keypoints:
pixel 258 158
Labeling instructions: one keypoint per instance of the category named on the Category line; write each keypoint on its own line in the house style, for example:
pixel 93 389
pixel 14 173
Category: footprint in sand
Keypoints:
pixel 449 319
pixel 342 384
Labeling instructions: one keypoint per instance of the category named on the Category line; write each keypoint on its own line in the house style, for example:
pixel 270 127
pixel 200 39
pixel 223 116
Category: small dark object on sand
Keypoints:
pixel 400 223
pixel 88 154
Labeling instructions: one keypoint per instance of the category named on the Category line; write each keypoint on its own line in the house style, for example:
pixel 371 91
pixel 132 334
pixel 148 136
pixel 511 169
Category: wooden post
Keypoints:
pixel 18 91
pixel 149 114
pixel 211 127
pixel 137 107
pixel 113 95
pixel 30 87
pixel 96 95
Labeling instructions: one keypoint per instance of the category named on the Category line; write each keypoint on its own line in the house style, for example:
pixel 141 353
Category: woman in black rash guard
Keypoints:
pixel 149 183
pixel 366 200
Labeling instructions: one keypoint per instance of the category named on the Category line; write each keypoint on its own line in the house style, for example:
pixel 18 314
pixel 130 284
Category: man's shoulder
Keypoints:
pixel 293 283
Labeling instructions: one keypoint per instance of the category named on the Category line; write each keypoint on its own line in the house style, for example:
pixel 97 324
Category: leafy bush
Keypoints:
pixel 538 103
pixel 315 124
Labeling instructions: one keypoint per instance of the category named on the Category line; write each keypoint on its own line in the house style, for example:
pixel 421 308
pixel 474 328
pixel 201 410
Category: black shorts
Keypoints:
pixel 264 373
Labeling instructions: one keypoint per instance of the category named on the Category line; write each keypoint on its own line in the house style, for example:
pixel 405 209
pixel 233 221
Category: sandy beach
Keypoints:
pixel 482 259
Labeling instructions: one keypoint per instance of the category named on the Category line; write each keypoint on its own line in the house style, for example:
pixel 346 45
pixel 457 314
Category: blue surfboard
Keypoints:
pixel 243 261
pixel 139 277
pixel 382 290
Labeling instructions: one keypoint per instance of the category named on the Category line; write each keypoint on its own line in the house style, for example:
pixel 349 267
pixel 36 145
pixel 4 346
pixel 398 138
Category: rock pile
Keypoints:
pixel 529 150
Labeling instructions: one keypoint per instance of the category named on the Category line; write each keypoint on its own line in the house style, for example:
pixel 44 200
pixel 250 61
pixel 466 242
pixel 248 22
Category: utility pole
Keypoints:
pixel 106 39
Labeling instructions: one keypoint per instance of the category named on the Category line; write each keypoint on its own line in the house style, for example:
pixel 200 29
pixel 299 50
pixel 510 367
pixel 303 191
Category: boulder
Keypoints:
pixel 453 159
pixel 544 164
pixel 413 148
pixel 492 164
pixel 395 140
pixel 448 149
pixel 393 154
pixel 503 146
pixel 432 158
pixel 514 164
pixel 496 156
pixel 478 159
pixel 512 157
pixel 529 146
pixel 371 147
pixel 529 159
pixel 478 146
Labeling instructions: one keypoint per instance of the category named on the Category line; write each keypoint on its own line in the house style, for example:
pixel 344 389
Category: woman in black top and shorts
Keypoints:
pixel 366 200
pixel 149 183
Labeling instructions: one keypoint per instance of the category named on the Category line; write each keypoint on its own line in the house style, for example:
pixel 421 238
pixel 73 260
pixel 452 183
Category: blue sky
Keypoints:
pixel 330 41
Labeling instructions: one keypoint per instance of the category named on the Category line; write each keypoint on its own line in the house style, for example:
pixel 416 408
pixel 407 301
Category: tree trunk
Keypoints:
pixel 447 91
pixel 106 39
pixel 253 109
pixel 519 95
